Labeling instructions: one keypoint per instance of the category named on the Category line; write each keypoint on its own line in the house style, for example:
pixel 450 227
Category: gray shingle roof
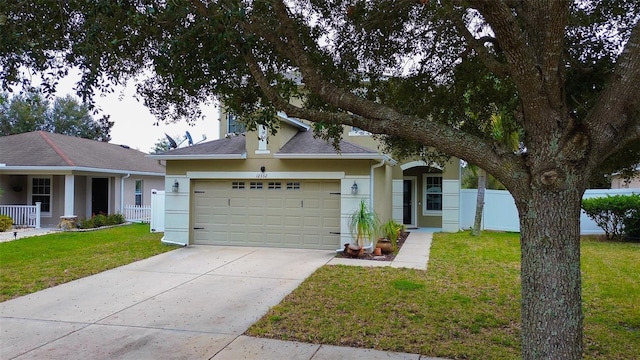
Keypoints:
pixel 305 143
pixel 224 146
pixel 39 148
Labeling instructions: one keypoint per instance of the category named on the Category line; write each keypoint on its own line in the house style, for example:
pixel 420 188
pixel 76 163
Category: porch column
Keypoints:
pixel 69 195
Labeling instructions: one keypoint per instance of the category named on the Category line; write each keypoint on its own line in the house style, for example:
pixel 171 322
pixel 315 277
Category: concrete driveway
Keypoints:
pixel 185 304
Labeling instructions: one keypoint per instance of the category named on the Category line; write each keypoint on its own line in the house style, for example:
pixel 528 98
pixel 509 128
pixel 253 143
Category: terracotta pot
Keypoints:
pixel 377 251
pixel 352 250
pixel 385 246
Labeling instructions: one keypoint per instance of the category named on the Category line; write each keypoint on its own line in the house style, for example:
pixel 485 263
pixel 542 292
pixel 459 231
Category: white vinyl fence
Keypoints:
pixel 135 213
pixel 157 210
pixel 23 215
pixel 500 212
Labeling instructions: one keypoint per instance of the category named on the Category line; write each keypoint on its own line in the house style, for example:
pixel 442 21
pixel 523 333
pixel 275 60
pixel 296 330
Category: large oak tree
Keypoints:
pixel 389 67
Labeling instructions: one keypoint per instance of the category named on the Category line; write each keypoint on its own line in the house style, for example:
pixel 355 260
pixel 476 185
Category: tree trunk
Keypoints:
pixel 482 185
pixel 551 283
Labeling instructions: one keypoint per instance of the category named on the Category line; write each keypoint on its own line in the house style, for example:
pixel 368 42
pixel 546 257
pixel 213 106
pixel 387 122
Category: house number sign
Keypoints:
pixel 261 175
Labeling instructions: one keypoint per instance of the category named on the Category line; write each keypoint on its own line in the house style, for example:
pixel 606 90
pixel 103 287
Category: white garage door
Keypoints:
pixel 278 213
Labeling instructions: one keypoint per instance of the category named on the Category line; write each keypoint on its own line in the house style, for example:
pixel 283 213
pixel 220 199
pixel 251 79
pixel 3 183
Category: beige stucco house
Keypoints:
pixel 293 190
pixel 72 176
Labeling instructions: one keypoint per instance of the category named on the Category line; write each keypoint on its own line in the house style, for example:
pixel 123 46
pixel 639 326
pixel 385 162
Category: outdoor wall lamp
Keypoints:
pixel 263 169
pixel 175 187
pixel 354 188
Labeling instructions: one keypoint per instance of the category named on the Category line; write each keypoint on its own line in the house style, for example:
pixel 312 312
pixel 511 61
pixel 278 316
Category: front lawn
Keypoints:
pixel 35 263
pixel 466 306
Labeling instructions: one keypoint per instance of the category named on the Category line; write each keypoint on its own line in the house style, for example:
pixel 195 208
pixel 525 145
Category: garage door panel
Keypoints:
pixel 311 221
pixel 311 240
pixel 235 237
pixel 312 204
pixel 276 239
pixel 294 221
pixel 273 203
pixel 329 222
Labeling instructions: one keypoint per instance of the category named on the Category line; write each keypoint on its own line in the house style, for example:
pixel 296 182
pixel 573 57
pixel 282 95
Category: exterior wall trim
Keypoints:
pixel 367 156
pixel 265 175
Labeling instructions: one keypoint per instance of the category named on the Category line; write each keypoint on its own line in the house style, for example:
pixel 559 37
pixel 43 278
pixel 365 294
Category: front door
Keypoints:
pixel 99 196
pixel 407 202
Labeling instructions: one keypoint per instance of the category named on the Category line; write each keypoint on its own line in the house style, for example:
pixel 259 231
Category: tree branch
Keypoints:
pixel 615 121
pixel 374 117
pixel 498 68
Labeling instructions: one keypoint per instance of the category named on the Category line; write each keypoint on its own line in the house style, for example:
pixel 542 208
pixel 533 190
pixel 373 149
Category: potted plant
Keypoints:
pixel 390 232
pixel 363 224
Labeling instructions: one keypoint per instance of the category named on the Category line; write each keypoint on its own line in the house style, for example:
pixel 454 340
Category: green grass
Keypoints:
pixel 35 263
pixel 466 306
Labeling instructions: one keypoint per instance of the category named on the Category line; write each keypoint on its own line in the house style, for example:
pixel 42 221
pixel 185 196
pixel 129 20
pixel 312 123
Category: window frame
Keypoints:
pixel 50 195
pixel 137 193
pixel 425 195
pixel 238 127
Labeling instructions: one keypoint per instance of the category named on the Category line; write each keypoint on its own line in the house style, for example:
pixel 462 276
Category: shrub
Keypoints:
pixel 617 215
pixel 100 220
pixel 115 219
pixel 5 222
pixel 87 224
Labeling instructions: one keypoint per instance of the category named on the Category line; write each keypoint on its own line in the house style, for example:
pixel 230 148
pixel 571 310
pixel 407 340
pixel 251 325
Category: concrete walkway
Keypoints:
pixel 190 303
pixel 413 254
pixel 17 234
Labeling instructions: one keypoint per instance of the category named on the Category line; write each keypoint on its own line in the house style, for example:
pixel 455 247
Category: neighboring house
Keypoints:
pixel 293 190
pixel 618 182
pixel 73 176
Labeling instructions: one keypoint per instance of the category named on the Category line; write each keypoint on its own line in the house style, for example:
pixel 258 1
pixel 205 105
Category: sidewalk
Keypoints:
pixel 24 232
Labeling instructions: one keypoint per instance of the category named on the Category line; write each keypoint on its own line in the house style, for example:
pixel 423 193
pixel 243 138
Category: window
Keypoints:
pixel 274 185
pixel 255 185
pixel 293 186
pixel 233 125
pixel 41 192
pixel 432 193
pixel 138 193
pixel 237 185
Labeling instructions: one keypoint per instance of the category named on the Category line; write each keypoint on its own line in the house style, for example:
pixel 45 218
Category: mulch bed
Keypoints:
pixel 388 257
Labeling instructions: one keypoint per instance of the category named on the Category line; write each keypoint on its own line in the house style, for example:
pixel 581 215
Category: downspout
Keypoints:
pixel 122 193
pixel 371 183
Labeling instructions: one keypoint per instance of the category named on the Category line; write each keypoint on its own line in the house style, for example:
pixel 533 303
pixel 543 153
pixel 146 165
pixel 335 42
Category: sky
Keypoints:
pixel 133 123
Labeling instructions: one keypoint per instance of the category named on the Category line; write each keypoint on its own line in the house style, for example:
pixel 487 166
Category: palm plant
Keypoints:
pixel 363 224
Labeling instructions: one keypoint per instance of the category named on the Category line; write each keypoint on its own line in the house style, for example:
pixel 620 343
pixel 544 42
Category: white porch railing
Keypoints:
pixel 136 213
pixel 23 215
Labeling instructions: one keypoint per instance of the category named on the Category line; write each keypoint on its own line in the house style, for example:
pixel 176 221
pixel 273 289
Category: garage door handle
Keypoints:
pixel 198 228
pixel 334 233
